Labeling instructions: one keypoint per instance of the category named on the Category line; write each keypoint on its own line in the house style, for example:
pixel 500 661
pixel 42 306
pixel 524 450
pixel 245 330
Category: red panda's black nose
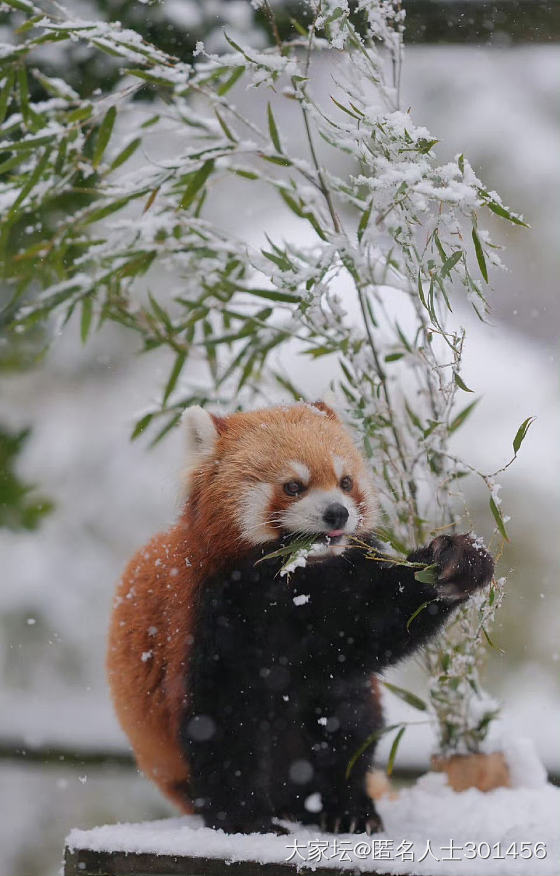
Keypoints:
pixel 335 515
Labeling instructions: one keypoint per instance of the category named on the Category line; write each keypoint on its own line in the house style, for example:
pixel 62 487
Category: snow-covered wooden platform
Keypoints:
pixel 430 830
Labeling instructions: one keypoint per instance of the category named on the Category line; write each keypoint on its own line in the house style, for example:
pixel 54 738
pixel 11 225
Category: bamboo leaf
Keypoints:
pixel 406 696
pixel 196 183
pixel 6 93
pixel 418 611
pixel 85 320
pixel 393 752
pixel 373 737
pixel 230 82
pixel 274 295
pixel 141 425
pixel 33 180
pixel 364 219
pixel 461 383
pixel 104 135
pixel 462 416
pixel 174 376
pixel 497 515
pixel 125 153
pixel 490 642
pixel 480 255
pixel 521 432
pixel 225 128
pixel 429 575
pixel 450 263
pixel 273 130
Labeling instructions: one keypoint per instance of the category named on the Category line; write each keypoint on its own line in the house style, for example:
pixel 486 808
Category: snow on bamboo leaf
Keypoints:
pixel 480 255
pixel 497 515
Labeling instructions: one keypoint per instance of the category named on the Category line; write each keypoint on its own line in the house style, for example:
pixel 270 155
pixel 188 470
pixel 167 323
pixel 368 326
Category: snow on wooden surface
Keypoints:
pixel 429 829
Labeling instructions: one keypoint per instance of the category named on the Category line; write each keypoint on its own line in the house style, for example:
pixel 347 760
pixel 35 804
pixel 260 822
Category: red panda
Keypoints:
pixel 245 693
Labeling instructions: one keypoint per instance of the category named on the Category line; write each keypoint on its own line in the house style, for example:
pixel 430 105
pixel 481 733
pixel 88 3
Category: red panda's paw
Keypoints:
pixel 254 824
pixel 463 563
pixel 360 823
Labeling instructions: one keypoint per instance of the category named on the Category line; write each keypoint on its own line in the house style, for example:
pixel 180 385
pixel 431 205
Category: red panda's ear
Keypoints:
pixel 322 406
pixel 202 430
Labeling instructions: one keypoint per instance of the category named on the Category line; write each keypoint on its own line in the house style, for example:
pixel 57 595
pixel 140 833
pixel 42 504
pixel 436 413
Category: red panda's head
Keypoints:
pixel 254 477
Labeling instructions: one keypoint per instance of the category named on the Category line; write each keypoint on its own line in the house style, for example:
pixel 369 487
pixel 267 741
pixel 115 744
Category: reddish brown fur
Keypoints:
pixel 158 588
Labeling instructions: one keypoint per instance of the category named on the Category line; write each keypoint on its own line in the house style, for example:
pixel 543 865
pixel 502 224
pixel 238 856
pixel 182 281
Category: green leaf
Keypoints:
pixel 5 94
pixel 480 255
pixel 171 423
pixel 298 27
pixel 407 696
pixel 125 153
pixel 33 180
pixel 496 513
pixel 273 130
pixel 423 146
pixel 462 416
pixel 429 575
pixel 373 737
pixel 461 383
pixel 85 321
pixel 104 135
pixel 102 212
pixel 196 183
pixel 364 219
pixel 418 611
pixel 274 295
pixel 229 83
pixel 141 425
pixel 160 313
pixel 388 537
pixel 275 159
pixel 521 432
pixel 490 642
pixel 393 357
pixel 450 263
pixel 174 376
pixel 393 752
pixel 345 109
pixel 500 210
pixel 225 128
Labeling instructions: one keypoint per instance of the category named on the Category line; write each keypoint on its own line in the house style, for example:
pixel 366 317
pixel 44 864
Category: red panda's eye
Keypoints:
pixel 346 483
pixel 292 488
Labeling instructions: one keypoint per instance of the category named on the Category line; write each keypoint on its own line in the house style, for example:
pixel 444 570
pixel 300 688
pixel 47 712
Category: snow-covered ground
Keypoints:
pixel 428 829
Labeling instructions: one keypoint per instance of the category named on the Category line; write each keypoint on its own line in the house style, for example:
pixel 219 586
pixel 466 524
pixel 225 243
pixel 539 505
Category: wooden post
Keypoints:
pixel 84 862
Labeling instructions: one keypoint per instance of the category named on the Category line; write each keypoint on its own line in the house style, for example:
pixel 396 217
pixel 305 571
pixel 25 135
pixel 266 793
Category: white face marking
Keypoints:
pixel 306 515
pixel 254 514
pixel 339 466
pixel 300 470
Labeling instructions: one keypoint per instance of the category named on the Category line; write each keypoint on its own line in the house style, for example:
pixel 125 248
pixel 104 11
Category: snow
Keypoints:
pixel 429 829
